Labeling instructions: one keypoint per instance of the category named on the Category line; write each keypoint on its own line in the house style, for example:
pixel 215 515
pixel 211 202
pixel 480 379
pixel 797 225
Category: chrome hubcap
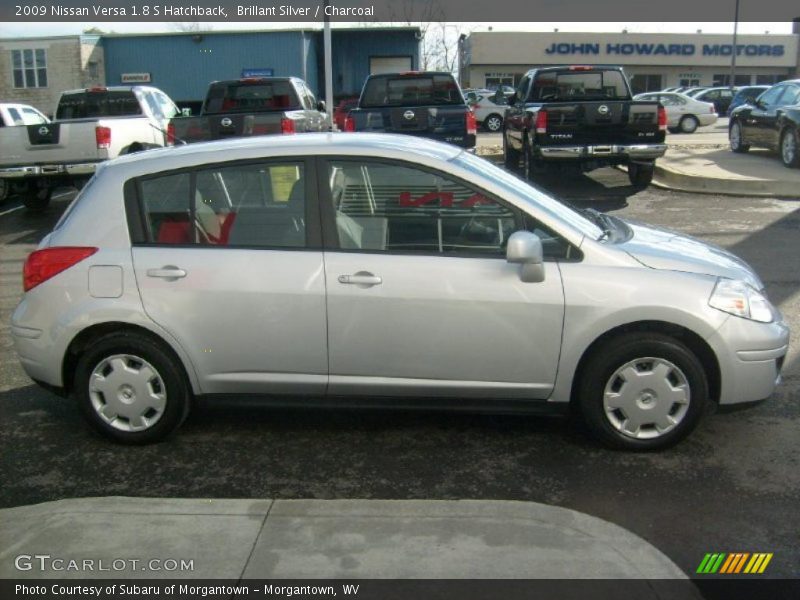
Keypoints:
pixel 789 147
pixel 689 125
pixel 646 398
pixel 493 124
pixel 127 392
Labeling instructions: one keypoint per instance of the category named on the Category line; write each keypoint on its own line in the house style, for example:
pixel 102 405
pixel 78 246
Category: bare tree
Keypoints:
pixel 191 26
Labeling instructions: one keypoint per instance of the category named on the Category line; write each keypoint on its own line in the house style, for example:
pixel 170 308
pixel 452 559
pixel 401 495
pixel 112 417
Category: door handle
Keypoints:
pixel 361 279
pixel 167 272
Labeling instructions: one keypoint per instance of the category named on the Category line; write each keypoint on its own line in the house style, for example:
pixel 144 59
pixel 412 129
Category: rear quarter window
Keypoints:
pixel 90 104
pixel 416 90
pixel 249 97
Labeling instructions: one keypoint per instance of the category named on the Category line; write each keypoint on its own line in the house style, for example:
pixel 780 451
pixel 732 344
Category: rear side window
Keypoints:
pixel 579 85
pixel 247 97
pixel 416 90
pixel 91 104
pixel 252 205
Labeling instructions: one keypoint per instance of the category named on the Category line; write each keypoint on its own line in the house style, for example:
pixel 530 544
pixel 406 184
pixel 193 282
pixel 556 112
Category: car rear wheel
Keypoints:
pixel 510 155
pixel 640 174
pixel 789 154
pixel 688 124
pixel 130 389
pixel 642 392
pixel 736 139
pixel 493 123
pixel 36 198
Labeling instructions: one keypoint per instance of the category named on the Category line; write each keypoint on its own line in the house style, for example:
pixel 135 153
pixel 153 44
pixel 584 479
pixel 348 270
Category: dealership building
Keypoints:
pixel 652 61
pixel 36 70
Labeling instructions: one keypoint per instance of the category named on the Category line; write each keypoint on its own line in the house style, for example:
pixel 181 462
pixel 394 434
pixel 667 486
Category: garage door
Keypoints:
pixel 389 64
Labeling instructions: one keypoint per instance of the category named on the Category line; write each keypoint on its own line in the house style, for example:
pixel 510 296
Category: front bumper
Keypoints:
pixel 56 170
pixel 750 358
pixel 629 151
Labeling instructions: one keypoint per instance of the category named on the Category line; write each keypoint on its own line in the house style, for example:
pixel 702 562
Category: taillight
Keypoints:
pixel 349 124
pixel 102 135
pixel 541 122
pixel 662 118
pixel 49 262
pixel 287 125
pixel 472 123
pixel 171 134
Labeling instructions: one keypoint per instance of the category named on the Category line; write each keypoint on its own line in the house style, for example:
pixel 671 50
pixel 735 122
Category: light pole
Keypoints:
pixel 733 53
pixel 329 65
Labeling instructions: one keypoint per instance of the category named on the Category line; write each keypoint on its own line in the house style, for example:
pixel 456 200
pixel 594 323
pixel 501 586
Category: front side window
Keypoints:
pixel 252 205
pixel 771 96
pixel 29 68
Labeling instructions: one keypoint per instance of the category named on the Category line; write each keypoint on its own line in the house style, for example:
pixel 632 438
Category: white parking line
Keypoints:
pixel 10 210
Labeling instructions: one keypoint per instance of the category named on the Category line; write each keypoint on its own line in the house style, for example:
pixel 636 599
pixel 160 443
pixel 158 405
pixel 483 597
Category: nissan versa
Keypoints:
pixel 339 268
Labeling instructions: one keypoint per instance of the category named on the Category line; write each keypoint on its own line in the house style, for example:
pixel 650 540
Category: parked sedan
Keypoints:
pixel 347 268
pixel 746 95
pixel 772 121
pixel 489 108
pixel 721 97
pixel 684 114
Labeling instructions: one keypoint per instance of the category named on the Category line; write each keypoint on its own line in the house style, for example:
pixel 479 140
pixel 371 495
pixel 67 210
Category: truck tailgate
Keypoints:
pixel 447 124
pixel 216 127
pixel 597 123
pixel 58 142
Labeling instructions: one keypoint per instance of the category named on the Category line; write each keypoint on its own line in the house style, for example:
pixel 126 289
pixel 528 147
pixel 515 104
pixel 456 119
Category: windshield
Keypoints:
pixel 579 85
pixel 90 104
pixel 245 97
pixel 573 217
pixel 416 90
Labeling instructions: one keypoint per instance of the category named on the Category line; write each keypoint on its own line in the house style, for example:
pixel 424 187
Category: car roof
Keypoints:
pixel 267 146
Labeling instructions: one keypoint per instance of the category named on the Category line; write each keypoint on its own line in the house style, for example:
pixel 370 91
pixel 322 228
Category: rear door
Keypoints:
pixel 761 125
pixel 228 261
pixel 421 299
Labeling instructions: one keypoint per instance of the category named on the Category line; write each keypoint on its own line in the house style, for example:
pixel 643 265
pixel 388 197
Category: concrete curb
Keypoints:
pixel 388 539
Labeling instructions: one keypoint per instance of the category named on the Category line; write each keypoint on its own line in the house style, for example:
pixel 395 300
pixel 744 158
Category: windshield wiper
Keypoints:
pixel 603 221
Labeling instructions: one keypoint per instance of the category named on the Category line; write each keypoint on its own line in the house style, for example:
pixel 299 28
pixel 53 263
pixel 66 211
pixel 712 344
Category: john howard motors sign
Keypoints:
pixel 656 49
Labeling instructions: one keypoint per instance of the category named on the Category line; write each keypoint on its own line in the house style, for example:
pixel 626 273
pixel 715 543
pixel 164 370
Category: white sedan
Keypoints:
pixel 684 114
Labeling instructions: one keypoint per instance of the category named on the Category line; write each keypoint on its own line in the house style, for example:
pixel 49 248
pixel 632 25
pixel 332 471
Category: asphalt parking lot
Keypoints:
pixel 732 486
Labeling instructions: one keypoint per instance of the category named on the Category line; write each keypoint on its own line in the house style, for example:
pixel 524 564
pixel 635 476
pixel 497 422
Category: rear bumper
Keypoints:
pixel 623 151
pixel 48 170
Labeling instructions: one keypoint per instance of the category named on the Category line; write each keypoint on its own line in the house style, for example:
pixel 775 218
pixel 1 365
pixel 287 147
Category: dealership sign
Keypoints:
pixel 648 49
pixel 258 72
pixel 135 77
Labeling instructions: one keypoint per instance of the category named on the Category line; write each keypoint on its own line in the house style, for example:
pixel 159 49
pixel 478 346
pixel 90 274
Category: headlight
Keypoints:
pixel 738 298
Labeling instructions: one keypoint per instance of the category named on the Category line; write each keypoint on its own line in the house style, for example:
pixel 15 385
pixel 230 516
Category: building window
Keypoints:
pixel 769 79
pixel 29 68
pixel 725 79
pixel 645 83
pixel 94 69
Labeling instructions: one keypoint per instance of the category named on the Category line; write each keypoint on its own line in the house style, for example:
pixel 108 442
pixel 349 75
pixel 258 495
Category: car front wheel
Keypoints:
pixel 688 124
pixel 789 154
pixel 736 139
pixel 643 392
pixel 130 389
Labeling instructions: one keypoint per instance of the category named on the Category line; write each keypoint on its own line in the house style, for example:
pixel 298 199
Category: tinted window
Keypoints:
pixel 248 97
pixel 90 104
pixel 15 116
pixel 791 96
pixel 417 90
pixel 261 205
pixel 771 95
pixel 579 85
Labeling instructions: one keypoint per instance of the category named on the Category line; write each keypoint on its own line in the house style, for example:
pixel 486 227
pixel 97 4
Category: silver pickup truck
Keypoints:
pixel 91 125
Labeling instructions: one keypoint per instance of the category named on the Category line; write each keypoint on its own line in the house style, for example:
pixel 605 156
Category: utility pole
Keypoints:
pixel 329 64
pixel 733 54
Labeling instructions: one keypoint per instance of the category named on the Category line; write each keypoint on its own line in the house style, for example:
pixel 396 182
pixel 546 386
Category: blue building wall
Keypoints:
pixel 183 64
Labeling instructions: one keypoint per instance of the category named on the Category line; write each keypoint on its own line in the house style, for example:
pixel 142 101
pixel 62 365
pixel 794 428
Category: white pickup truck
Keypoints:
pixel 91 125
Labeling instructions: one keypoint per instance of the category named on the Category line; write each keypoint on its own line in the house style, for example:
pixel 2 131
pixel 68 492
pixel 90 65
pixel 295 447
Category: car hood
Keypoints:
pixel 660 248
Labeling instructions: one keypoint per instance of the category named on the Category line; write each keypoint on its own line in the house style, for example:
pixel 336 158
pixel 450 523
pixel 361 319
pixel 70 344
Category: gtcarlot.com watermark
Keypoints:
pixel 47 563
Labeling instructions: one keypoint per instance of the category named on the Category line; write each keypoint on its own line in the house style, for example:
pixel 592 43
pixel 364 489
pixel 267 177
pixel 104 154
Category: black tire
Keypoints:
pixel 673 129
pixel 5 189
pixel 790 157
pixel 640 174
pixel 688 124
pixel 737 141
pixel 531 166
pixel 510 155
pixel 36 199
pixel 493 123
pixel 620 351
pixel 167 367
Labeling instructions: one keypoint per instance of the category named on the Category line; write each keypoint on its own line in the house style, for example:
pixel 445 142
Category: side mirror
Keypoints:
pixel 525 249
pixel 760 103
pixel 321 106
pixel 186 112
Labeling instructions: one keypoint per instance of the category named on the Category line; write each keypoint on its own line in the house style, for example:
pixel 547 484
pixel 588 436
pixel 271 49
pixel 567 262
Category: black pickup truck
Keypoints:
pixel 420 103
pixel 583 115
pixel 251 106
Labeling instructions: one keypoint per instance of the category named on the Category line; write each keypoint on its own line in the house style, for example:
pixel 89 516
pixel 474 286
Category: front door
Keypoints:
pixel 229 263
pixel 421 300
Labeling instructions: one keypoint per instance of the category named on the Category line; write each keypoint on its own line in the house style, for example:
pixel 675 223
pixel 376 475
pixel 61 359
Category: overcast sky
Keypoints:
pixel 41 29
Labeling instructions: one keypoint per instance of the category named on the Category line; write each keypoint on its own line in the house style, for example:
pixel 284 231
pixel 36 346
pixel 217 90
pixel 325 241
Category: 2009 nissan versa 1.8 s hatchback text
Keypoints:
pixel 334 268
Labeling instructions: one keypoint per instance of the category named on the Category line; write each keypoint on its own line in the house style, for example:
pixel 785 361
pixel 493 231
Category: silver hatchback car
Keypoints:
pixel 339 268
